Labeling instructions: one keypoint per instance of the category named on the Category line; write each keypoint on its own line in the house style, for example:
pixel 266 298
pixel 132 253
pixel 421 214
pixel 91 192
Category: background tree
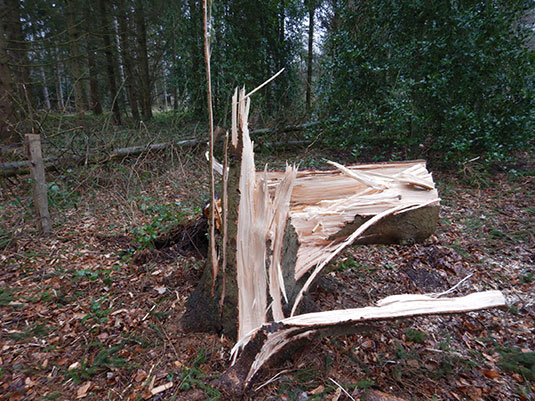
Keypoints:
pixel 7 132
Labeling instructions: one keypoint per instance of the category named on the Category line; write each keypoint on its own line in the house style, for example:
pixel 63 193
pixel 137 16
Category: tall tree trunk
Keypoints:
pixel 311 12
pixel 127 59
pixel 18 49
pixel 7 108
pixel 143 59
pixel 94 94
pixel 120 62
pixel 46 97
pixel 108 51
pixel 196 84
pixel 59 81
pixel 175 98
pixel 75 64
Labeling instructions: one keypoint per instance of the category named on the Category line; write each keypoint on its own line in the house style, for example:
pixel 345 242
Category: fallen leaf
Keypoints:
pixel 103 336
pixel 317 390
pixel 140 375
pixel 73 366
pixel 376 395
pixel 161 290
pixel 82 391
pixel 491 374
pixel 413 363
pixel 518 377
pixel 337 394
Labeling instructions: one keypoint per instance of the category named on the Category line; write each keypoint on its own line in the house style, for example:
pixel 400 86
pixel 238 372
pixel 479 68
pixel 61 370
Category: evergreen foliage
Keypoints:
pixel 411 77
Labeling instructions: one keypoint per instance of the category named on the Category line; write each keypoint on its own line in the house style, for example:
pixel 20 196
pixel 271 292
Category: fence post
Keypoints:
pixel 39 188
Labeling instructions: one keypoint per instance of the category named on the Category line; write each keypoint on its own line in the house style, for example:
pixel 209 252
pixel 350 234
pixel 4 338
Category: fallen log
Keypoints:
pixel 10 169
pixel 281 130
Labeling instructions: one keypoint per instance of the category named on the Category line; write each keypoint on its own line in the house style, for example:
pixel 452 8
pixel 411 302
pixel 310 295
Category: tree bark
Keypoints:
pixel 7 108
pixel 110 65
pixel 311 12
pixel 127 59
pixel 59 81
pixel 46 97
pixel 94 93
pixel 75 64
pixel 202 310
pixel 143 59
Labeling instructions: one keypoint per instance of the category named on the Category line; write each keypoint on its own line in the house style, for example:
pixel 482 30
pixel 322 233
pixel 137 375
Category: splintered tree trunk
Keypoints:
pixel 282 229
pixel 326 207
pixel 326 212
pixel 204 309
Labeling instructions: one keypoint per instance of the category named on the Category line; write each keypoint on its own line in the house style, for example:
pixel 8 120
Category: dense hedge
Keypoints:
pixel 417 78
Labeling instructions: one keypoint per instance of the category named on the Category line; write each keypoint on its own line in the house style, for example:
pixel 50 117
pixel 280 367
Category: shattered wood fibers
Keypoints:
pixel 319 205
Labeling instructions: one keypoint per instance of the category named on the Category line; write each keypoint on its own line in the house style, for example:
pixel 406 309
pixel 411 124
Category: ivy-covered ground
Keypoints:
pixel 83 317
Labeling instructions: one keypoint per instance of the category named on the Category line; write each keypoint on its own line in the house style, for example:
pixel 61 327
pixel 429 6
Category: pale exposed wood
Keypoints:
pixel 325 254
pixel 162 388
pixel 39 188
pixel 251 238
pixel 324 202
pixel 261 226
pixel 225 221
pixel 213 252
pixel 287 330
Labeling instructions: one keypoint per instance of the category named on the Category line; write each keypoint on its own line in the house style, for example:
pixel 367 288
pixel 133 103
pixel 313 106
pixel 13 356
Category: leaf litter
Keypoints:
pixel 81 320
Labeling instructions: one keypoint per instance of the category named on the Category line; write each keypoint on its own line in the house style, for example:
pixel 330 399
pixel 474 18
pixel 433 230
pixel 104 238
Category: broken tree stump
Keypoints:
pixel 281 229
pixel 325 207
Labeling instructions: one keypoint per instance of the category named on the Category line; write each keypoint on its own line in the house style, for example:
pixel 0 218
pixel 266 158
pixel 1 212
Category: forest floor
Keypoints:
pixel 84 317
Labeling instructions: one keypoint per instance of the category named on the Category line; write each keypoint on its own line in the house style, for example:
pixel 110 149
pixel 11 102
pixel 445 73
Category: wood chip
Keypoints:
pixel 161 388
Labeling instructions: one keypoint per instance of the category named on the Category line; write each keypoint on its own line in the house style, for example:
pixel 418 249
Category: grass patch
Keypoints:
pixel 54 396
pixel 516 361
pixel 190 377
pixel 34 330
pixel 104 360
pixel 6 296
pixel 415 336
